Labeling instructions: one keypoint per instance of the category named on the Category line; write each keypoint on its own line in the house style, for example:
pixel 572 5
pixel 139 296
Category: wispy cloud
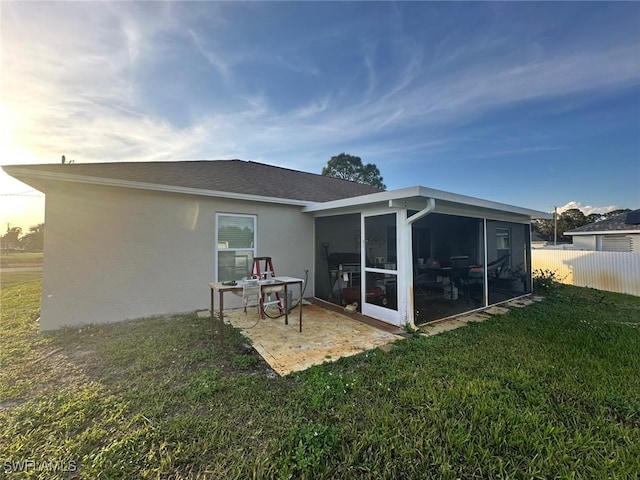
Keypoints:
pixel 83 97
pixel 212 56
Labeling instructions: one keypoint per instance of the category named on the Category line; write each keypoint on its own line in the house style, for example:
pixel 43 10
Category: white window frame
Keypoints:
pixel 218 247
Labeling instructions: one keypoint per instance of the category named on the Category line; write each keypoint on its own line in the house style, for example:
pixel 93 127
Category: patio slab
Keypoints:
pixel 496 310
pixel 475 317
pixel 326 336
pixel 443 326
pixel 520 303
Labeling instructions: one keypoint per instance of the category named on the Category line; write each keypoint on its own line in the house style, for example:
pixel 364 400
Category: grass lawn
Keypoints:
pixel 548 391
pixel 21 259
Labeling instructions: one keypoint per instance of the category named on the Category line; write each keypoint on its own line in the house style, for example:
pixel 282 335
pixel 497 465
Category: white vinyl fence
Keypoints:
pixel 611 271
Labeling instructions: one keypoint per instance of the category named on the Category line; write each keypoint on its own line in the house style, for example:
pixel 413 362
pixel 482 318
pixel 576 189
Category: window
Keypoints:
pixel 617 243
pixel 236 240
pixel 503 243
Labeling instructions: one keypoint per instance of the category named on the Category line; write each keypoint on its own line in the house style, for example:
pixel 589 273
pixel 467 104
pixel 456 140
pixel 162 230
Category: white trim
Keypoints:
pixel 606 232
pixel 253 249
pixel 110 182
pixel 411 194
pixel 381 313
pixel 485 274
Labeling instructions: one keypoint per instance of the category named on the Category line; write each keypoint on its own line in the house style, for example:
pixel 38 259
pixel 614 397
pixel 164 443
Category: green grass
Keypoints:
pixel 21 259
pixel 548 391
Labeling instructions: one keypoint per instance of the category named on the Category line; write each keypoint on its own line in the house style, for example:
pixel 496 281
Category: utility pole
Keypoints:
pixel 555 226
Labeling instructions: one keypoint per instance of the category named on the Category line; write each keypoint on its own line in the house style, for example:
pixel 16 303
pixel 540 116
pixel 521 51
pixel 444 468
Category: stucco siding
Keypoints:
pixel 584 242
pixel 113 253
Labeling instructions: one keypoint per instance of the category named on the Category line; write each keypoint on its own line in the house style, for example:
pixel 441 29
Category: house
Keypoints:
pixel 129 240
pixel 620 233
pixel 538 240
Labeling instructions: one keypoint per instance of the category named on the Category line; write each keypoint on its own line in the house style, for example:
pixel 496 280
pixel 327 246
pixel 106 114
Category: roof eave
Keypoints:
pixel 21 174
pixel 411 193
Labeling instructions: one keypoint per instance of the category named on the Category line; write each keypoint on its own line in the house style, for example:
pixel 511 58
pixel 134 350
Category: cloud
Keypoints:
pixel 212 56
pixel 81 97
pixel 587 209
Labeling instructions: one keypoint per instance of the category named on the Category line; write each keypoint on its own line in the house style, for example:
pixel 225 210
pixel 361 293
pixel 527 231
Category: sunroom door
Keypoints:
pixel 380 260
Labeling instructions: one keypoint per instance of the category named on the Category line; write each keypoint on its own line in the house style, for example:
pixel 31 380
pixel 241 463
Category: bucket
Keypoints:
pixel 451 292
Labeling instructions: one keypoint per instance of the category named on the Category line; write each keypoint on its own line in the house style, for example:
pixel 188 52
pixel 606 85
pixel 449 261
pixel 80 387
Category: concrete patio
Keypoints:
pixel 326 336
pixel 329 333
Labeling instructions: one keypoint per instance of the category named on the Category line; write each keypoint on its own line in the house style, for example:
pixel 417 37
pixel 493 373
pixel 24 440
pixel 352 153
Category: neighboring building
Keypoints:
pixel 620 233
pixel 538 240
pixel 129 240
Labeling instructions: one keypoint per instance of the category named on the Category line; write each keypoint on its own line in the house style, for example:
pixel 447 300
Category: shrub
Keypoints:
pixel 545 280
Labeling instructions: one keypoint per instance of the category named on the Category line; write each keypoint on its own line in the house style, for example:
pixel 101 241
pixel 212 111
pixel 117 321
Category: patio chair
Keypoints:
pixel 460 267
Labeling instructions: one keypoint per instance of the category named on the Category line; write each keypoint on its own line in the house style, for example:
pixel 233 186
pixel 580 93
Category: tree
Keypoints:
pixel 593 217
pixel 613 213
pixel 34 240
pixel 570 219
pixel 350 167
pixel 11 240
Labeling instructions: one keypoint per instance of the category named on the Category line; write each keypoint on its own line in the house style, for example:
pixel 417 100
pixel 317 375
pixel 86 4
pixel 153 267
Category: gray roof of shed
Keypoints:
pixel 233 176
pixel 612 224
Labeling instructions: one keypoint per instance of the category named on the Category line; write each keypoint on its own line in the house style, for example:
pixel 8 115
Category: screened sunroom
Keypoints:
pixel 417 255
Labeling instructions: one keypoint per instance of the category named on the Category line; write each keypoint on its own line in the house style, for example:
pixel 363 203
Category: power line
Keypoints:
pixel 28 193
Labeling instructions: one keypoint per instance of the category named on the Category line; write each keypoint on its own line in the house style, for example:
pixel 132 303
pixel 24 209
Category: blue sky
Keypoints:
pixel 532 104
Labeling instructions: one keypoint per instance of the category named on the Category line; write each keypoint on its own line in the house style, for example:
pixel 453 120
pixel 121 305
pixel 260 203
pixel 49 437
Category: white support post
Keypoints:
pixel 485 275
pixel 405 269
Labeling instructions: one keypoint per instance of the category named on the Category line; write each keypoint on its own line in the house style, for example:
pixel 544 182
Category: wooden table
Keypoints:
pixel 275 281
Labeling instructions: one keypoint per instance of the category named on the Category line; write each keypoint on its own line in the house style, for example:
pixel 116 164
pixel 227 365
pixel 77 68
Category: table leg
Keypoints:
pixel 300 319
pixel 213 316
pixel 286 306
pixel 221 319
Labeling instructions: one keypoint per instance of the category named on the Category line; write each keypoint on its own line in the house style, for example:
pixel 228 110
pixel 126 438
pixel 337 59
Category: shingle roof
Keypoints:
pixel 233 176
pixel 617 222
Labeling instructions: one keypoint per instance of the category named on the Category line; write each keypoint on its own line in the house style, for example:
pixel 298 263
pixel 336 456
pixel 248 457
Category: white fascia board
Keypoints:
pixel 470 211
pixel 605 232
pixel 478 202
pixel 110 182
pixel 362 200
pixel 412 193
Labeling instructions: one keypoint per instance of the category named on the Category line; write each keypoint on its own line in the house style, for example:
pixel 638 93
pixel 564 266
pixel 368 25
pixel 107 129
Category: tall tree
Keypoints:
pixel 567 220
pixel 11 239
pixel 34 240
pixel 613 213
pixel 350 167
pixel 593 217
pixel 572 218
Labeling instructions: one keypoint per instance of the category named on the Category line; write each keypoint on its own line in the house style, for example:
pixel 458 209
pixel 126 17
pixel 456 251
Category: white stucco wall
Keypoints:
pixel 113 253
pixel 584 242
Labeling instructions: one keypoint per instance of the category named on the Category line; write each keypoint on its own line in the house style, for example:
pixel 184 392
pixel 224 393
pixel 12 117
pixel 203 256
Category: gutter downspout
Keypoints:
pixel 431 204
